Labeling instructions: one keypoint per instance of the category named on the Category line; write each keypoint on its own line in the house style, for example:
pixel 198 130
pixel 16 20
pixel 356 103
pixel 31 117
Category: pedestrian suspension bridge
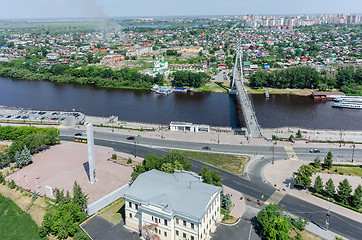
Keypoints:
pixel 237 87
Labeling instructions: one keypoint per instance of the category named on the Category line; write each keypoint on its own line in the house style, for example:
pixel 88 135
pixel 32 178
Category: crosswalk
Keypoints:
pixel 275 198
pixel 291 154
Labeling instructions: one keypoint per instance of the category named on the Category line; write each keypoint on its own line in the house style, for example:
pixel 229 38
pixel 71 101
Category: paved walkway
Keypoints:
pixel 222 135
pixel 280 175
pixel 240 205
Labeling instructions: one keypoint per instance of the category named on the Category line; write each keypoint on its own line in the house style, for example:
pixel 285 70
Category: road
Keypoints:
pixel 255 187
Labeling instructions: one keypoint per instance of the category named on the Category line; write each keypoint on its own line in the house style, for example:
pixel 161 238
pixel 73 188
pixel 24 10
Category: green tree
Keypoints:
pixel 60 198
pixel 329 189
pixel 299 134
pixel 67 198
pixel 167 167
pixel 318 184
pixel 225 200
pixel 210 176
pixel 328 162
pixel 344 191
pixel 291 138
pixel 317 163
pixel 18 161
pixel 304 174
pixel 356 198
pixel 271 226
pixel 79 198
pixel 26 156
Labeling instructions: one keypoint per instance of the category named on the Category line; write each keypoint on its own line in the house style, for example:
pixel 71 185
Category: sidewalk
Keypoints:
pixel 240 205
pixel 280 174
pixel 225 135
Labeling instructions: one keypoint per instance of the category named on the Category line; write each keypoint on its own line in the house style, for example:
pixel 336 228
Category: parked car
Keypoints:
pixel 78 134
pixel 206 148
pixel 131 138
pixel 315 150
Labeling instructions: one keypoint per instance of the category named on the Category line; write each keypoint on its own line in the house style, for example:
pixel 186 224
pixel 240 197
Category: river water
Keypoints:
pixel 215 109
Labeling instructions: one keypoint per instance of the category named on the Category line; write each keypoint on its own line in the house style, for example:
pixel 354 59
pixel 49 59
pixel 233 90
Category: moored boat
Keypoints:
pixel 266 94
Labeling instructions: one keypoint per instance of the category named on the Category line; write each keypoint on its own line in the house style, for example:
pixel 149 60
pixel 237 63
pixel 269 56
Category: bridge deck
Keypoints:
pixel 248 111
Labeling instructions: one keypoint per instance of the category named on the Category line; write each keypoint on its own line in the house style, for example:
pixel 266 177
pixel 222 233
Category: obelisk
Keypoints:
pixel 91 157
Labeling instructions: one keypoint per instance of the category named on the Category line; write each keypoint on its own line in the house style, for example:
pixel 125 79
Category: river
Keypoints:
pixel 215 109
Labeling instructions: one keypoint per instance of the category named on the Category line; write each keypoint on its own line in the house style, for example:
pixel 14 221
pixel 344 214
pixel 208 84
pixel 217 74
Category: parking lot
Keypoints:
pixel 40 117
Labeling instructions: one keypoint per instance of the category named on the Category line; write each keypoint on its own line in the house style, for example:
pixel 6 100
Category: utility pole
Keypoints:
pixel 353 146
pixel 218 136
pixel 135 154
pixel 328 215
pixel 272 149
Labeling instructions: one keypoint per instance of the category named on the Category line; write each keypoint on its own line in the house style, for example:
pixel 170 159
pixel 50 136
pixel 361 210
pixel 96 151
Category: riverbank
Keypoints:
pixel 298 92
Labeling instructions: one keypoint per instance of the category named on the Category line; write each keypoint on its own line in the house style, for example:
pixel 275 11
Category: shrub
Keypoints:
pixel 114 156
pixel 129 161
pixel 12 184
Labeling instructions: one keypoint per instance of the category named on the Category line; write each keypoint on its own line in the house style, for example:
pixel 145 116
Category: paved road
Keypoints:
pixel 99 228
pixel 254 188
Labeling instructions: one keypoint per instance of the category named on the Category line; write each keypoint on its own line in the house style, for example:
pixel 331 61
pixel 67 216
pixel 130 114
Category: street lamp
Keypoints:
pixel 135 154
pixel 353 146
pixel 272 149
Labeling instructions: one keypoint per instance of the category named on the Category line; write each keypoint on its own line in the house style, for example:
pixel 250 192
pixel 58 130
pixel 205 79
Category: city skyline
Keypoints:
pixel 41 9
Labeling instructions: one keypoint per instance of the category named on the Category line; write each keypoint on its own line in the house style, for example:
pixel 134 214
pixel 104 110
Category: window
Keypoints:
pixel 136 207
pixel 152 218
pixel 177 232
pixel 192 226
pixel 192 237
pixel 130 204
pixel 155 220
pixel 165 234
pixel 130 215
pixel 156 230
pixel 165 222
pixel 184 235
pixel 184 223
pixel 177 220
pixel 159 231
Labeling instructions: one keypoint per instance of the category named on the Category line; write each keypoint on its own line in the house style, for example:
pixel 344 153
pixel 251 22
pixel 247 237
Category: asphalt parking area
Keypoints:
pixel 99 229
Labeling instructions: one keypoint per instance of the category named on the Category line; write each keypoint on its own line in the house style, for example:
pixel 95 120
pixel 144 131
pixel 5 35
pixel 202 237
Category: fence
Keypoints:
pixel 106 200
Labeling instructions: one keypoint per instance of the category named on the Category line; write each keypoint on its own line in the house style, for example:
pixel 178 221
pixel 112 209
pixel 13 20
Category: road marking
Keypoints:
pixel 275 198
pixel 291 154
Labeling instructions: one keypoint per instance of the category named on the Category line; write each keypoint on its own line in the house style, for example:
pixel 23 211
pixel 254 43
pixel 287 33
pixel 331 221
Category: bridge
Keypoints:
pixel 237 87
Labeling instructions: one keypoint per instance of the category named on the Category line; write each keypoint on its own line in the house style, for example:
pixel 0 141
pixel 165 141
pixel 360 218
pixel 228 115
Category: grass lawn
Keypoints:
pixel 15 223
pixel 231 163
pixel 228 219
pixel 305 235
pixel 114 212
pixel 346 170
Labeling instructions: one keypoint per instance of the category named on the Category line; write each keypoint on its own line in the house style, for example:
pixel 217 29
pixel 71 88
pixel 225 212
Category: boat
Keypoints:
pixel 266 94
pixel 180 89
pixel 350 99
pixel 155 88
pixel 347 105
pixel 164 90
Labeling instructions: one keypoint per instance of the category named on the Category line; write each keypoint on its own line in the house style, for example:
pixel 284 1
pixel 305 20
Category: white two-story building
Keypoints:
pixel 172 206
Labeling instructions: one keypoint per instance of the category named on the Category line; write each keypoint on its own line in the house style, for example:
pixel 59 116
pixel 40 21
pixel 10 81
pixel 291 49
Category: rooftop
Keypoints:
pixel 181 193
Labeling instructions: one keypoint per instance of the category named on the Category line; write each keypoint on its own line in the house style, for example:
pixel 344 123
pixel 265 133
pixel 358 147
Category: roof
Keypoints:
pixel 181 193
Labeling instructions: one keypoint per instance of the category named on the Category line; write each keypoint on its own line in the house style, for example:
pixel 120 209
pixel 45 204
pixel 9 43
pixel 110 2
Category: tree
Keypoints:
pixel 210 176
pixel 304 174
pixel 330 188
pixel 59 198
pixel 328 162
pixel 225 200
pixel 291 138
pixel 299 134
pixel 25 154
pixel 317 163
pixel 79 198
pixel 67 198
pixel 18 161
pixel 356 198
pixel 344 191
pixel 318 184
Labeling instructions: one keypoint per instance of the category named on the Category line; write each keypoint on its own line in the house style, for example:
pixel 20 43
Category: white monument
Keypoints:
pixel 91 157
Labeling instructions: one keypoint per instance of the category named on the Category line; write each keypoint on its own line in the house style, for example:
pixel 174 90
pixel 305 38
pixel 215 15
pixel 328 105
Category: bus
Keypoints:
pixel 81 139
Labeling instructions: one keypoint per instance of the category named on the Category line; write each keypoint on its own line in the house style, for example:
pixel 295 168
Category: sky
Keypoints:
pixel 24 9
